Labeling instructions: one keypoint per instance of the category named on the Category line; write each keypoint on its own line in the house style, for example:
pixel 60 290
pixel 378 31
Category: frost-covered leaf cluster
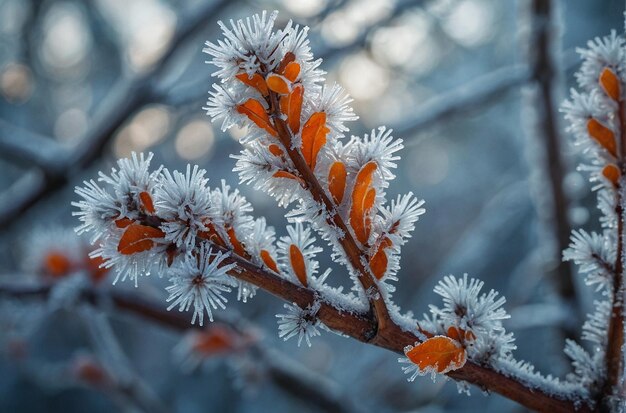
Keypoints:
pixel 596 117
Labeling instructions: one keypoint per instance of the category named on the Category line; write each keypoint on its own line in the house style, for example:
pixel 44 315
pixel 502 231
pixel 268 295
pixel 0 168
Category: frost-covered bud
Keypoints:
pixel 183 201
pixel 200 281
pixel 299 322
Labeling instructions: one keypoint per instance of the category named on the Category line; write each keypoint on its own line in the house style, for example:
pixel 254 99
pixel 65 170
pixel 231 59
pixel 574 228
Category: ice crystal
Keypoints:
pixel 200 282
pixel 299 322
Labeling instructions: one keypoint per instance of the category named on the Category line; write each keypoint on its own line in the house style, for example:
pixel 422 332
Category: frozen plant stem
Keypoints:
pixel 352 325
pixel 614 385
pixel 353 252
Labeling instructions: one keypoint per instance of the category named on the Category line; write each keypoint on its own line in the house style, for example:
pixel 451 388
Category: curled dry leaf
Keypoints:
pixel 278 84
pixel 256 81
pixel 237 245
pixel 438 354
pixel 289 57
pixel 297 263
pixel 275 150
pixel 314 134
pixel 292 70
pixel 337 181
pixel 138 238
pixel 379 261
pixel 255 111
pixel 288 175
pixel 362 201
pixel 611 172
pixel 269 261
pixel 146 201
pixel 610 83
pixel 291 106
pixel 603 135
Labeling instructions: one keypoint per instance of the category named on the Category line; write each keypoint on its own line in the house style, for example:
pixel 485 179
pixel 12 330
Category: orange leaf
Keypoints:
pixel 215 340
pixel 256 81
pixel 211 234
pixel 610 83
pixel 291 106
pixel 89 370
pixel 337 181
pixel 278 84
pixel 361 196
pixel 269 261
pixel 57 264
pixel 146 201
pixel 611 172
pixel 288 175
pixel 275 150
pixel 123 222
pixel 440 354
pixel 292 70
pixel 460 335
pixel 603 135
pixel 138 238
pixel 237 245
pixel 255 111
pixel 379 261
pixel 314 134
pixel 289 57
pixel 297 263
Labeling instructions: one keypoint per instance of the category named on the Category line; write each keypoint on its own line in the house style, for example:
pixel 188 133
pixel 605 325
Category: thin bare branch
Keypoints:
pixel 542 101
pixel 467 97
pixel 124 100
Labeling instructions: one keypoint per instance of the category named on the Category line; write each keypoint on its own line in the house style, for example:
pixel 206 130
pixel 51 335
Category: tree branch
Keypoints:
pixel 614 384
pixel 464 98
pixel 286 373
pixel 349 323
pixel 541 102
pixel 125 99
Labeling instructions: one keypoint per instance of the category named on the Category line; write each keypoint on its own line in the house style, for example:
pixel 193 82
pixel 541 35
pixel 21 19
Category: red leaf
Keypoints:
pixel 603 135
pixel 138 238
pixel 297 263
pixel 362 198
pixel 278 84
pixel 440 354
pixel 291 106
pixel 610 83
pixel 337 181
pixel 314 134
pixel 255 111
pixel 146 201
pixel 269 261
pixel 256 81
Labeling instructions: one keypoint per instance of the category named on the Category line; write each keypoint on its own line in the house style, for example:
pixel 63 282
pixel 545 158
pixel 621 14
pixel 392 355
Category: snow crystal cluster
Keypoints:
pixel 596 120
pixel 147 220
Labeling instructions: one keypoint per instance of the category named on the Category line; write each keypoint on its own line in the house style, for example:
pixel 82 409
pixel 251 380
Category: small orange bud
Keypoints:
pixel 603 135
pixel 297 263
pixel 610 83
pixel 57 264
pixel 611 172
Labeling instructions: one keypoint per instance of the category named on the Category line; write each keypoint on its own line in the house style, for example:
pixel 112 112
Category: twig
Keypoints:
pixel 31 149
pixel 127 97
pixel 553 205
pixel 285 372
pixel 613 387
pixel 465 98
pixel 352 324
pixel 352 251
